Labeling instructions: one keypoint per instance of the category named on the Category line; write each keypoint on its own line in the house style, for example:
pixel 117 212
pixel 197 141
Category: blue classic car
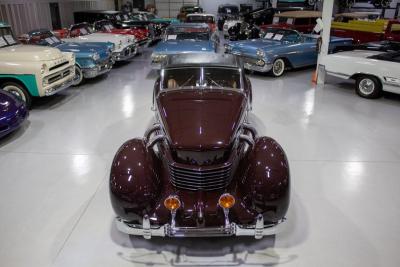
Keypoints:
pixel 281 49
pixel 12 113
pixel 184 38
pixel 92 59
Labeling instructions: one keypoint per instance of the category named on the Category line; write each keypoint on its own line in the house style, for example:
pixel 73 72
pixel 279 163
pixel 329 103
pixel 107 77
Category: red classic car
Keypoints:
pixel 106 26
pixel 201 169
pixel 301 20
pixel 209 19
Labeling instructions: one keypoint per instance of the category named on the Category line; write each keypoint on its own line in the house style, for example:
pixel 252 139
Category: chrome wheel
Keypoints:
pixel 366 86
pixel 15 90
pixel 78 78
pixel 278 67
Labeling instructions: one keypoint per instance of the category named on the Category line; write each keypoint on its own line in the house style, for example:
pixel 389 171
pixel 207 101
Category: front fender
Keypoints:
pixel 134 181
pixel 266 183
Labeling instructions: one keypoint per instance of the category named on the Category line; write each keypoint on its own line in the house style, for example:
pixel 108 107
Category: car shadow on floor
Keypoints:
pixel 15 135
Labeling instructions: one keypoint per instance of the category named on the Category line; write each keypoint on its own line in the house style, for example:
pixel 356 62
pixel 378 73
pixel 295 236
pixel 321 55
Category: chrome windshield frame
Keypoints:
pixel 239 70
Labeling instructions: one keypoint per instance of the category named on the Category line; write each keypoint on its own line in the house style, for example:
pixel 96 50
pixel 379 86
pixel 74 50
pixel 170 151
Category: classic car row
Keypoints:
pixel 78 53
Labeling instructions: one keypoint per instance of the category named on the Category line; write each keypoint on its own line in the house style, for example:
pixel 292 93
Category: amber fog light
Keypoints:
pixel 172 203
pixel 226 201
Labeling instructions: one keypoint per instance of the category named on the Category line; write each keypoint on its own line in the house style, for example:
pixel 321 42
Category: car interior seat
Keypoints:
pixel 172 84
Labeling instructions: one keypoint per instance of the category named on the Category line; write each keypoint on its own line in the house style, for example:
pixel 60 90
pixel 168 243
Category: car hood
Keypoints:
pixel 84 50
pixel 250 47
pixel 184 46
pixel 201 119
pixel 29 53
pixel 116 39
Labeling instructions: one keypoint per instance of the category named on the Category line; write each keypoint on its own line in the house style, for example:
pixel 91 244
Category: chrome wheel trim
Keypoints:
pixel 78 76
pixel 15 90
pixel 366 86
pixel 279 67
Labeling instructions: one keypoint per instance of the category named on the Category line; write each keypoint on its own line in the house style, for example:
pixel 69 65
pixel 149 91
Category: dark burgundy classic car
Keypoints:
pixel 201 169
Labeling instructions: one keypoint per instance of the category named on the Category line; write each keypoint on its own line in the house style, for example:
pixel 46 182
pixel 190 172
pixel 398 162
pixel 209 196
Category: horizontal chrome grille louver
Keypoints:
pixel 59 65
pixel 200 179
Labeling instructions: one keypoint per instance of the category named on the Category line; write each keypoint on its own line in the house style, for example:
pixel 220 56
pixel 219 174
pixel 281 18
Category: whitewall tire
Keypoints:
pixel 19 91
pixel 278 67
pixel 78 78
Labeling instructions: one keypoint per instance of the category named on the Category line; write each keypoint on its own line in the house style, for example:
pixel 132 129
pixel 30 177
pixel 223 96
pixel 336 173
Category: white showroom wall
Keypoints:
pixel 26 15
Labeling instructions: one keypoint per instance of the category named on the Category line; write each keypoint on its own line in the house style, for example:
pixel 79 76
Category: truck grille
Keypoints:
pixel 200 178
pixel 58 76
pixel 59 66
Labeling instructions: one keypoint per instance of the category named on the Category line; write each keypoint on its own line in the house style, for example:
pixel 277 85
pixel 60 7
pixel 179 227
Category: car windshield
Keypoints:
pixel 200 19
pixel 389 56
pixel 7 37
pixel 281 35
pixel 81 30
pixel 108 27
pixel 45 38
pixel 197 78
pixel 184 33
pixel 234 10
pixel 151 16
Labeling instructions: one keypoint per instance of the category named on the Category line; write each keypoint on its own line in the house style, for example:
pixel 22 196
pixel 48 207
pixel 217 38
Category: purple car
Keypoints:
pixel 12 113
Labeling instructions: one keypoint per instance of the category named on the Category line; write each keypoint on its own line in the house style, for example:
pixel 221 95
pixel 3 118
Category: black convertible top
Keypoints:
pixel 202 59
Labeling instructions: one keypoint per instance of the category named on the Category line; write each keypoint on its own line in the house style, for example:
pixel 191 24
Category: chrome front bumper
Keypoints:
pixel 266 68
pixel 98 70
pixel 59 87
pixel 147 231
pixel 125 54
pixel 250 63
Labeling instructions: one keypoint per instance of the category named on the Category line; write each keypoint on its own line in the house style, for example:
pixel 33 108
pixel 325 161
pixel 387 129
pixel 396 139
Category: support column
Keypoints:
pixel 327 12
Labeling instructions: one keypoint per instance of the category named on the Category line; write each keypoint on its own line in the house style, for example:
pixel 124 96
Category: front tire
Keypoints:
pixel 78 78
pixel 19 91
pixel 368 87
pixel 278 67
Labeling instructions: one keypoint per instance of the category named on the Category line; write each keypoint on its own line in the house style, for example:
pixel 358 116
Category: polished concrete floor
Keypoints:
pixel 344 153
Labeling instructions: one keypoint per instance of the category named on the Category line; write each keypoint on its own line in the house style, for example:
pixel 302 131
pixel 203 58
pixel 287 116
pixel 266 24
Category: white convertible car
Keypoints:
pixel 125 46
pixel 373 71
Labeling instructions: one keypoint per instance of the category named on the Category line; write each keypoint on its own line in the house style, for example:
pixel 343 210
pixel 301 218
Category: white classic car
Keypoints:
pixel 373 71
pixel 229 24
pixel 32 71
pixel 125 46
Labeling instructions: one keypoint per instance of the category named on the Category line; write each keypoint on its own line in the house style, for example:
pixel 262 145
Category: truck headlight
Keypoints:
pixel 260 53
pixel 158 57
pixel 95 56
pixel 228 48
pixel 43 69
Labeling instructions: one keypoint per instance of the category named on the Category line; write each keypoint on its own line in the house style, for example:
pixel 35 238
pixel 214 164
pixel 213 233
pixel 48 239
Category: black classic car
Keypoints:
pixel 226 12
pixel 201 169
pixel 248 25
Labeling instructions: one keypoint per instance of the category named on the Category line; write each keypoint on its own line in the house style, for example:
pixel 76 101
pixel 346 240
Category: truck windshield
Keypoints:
pixel 7 37
pixel 201 78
